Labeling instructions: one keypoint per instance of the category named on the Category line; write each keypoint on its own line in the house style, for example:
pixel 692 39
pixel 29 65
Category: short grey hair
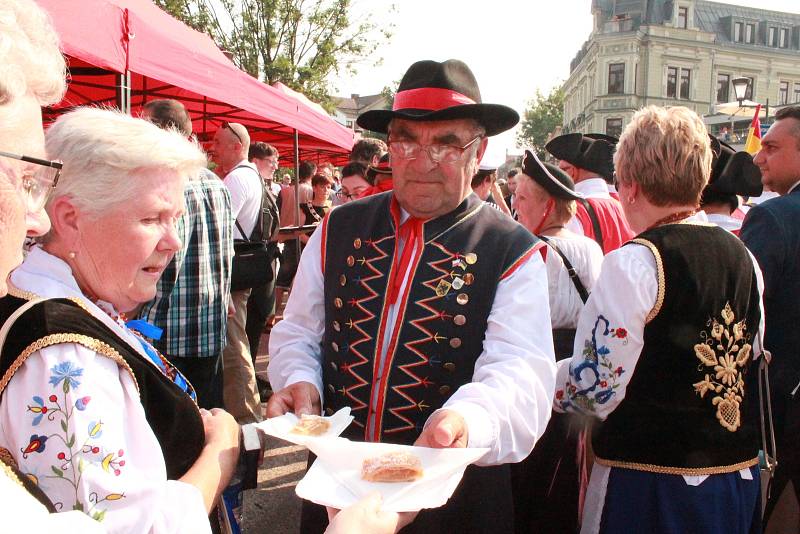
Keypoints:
pixel 103 149
pixel 30 60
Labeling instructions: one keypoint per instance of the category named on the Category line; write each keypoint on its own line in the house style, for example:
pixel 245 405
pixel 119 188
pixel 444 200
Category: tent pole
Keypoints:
pixel 297 182
pixel 124 92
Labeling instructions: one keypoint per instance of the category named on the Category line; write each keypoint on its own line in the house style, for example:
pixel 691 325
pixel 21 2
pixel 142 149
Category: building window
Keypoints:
pixel 723 87
pixel 616 78
pixel 784 42
pixel 683 17
pixel 750 33
pixel 783 94
pixel 678 88
pixel 772 36
pixel 349 123
pixel 737 32
pixel 614 127
pixel 685 80
pixel 797 93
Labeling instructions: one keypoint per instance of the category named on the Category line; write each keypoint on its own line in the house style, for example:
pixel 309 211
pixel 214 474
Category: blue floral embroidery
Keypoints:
pixel 593 380
pixel 66 371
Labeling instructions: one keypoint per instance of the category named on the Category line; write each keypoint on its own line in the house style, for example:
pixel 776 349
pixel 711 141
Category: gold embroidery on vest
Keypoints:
pixel 726 349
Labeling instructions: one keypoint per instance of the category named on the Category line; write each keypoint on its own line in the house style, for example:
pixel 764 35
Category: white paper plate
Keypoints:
pixel 335 478
pixel 281 427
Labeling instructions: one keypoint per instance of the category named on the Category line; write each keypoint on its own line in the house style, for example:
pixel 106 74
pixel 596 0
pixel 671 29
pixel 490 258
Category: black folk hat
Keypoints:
pixel 433 91
pixel 593 152
pixel 554 180
pixel 732 173
pixel 383 168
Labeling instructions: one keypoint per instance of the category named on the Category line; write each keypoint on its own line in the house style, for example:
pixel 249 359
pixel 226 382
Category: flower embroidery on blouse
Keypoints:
pixel 724 351
pixel 73 457
pixel 595 379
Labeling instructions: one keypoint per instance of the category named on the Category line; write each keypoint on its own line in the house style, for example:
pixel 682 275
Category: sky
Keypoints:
pixel 514 47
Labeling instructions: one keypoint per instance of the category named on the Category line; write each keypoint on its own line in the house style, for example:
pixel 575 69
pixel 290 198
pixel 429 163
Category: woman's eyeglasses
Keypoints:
pixel 39 183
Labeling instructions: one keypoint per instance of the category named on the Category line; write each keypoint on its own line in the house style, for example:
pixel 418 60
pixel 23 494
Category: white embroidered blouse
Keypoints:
pixel 72 419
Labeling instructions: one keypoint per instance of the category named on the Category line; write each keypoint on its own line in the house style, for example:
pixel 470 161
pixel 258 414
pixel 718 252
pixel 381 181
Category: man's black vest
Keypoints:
pixel 692 404
pixel 442 318
pixel 170 412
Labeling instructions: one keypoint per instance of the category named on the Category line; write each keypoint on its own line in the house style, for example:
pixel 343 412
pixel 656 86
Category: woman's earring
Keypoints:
pixel 71 255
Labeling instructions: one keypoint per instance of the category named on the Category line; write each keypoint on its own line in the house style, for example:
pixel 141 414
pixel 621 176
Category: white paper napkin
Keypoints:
pixel 281 427
pixel 335 478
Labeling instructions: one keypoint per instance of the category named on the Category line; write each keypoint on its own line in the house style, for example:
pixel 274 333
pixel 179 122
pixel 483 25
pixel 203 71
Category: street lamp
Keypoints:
pixel 740 86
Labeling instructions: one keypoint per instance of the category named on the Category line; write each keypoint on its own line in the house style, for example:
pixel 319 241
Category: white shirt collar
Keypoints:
pixel 593 188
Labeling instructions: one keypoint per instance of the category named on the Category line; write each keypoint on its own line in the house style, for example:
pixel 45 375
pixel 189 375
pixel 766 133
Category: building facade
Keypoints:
pixel 348 109
pixel 679 52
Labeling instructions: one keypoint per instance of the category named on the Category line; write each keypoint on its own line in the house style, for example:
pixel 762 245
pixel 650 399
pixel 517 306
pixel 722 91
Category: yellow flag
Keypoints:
pixel 753 143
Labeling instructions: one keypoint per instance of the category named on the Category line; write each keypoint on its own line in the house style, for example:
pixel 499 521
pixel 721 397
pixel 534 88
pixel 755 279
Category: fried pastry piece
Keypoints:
pixel 394 466
pixel 311 425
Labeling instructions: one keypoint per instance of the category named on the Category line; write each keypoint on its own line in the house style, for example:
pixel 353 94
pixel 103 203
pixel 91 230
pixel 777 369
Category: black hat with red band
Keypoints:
pixel 434 91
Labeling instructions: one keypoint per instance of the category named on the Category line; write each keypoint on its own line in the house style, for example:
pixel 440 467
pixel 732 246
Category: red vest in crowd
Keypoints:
pixel 609 219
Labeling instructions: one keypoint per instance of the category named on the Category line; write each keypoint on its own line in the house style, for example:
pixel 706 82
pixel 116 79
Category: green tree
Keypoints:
pixel 543 114
pixel 300 43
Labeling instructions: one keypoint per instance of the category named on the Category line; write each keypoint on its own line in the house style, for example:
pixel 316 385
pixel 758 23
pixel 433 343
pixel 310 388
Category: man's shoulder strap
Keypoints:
pixel 592 213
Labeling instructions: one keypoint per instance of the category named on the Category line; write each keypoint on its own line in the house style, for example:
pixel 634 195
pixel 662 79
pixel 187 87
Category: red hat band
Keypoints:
pixel 429 98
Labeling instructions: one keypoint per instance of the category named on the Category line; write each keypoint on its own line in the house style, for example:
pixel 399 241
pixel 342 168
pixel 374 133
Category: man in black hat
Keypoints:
pixel 424 310
pixel 588 159
pixel 732 174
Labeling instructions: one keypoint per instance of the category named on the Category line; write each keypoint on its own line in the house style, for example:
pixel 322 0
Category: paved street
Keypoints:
pixel 273 507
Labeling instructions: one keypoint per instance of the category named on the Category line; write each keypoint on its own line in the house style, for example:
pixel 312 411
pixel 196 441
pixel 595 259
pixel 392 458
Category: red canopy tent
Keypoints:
pixel 126 52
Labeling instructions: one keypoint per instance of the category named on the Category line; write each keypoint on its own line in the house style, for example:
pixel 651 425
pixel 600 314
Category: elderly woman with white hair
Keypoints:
pixel 666 350
pixel 102 421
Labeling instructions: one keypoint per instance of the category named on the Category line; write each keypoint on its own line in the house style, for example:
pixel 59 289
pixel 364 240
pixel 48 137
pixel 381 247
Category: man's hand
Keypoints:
pixel 300 398
pixel 445 429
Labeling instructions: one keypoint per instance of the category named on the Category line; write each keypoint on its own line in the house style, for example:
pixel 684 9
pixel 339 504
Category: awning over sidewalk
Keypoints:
pixel 167 59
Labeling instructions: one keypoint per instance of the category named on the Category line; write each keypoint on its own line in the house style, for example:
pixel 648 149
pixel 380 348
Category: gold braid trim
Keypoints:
pixel 14 291
pixel 55 339
pixel 7 457
pixel 684 471
pixel 11 474
pixel 662 285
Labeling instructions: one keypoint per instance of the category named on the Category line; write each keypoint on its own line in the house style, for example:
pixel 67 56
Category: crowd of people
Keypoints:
pixel 599 323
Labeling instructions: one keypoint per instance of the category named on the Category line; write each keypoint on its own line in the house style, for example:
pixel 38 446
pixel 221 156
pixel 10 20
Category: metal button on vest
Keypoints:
pixel 342 280
pixel 334 346
pixel 462 298
pixel 459 320
pixel 351 261
pixel 334 366
pixel 338 302
pixel 331 388
pixel 449 367
pixel 329 410
pixel 337 326
pixel 455 342
pixel 469 278
pixel 357 243
pixel 444 390
pixel 471 258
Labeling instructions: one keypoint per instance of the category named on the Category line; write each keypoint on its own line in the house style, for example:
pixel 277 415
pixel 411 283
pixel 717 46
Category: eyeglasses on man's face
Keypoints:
pixel 37 182
pixel 437 152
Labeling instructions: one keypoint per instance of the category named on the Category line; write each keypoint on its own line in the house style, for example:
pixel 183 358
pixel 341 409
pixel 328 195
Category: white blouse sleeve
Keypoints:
pixel 73 420
pixel 294 343
pixel 610 334
pixel 507 404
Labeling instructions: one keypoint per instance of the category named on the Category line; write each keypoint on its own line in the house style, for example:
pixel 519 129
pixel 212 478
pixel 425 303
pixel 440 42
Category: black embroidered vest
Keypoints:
pixel 171 413
pixel 692 403
pixel 442 317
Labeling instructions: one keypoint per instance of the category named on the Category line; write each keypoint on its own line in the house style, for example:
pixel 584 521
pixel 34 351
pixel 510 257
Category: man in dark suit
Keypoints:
pixel 772 232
